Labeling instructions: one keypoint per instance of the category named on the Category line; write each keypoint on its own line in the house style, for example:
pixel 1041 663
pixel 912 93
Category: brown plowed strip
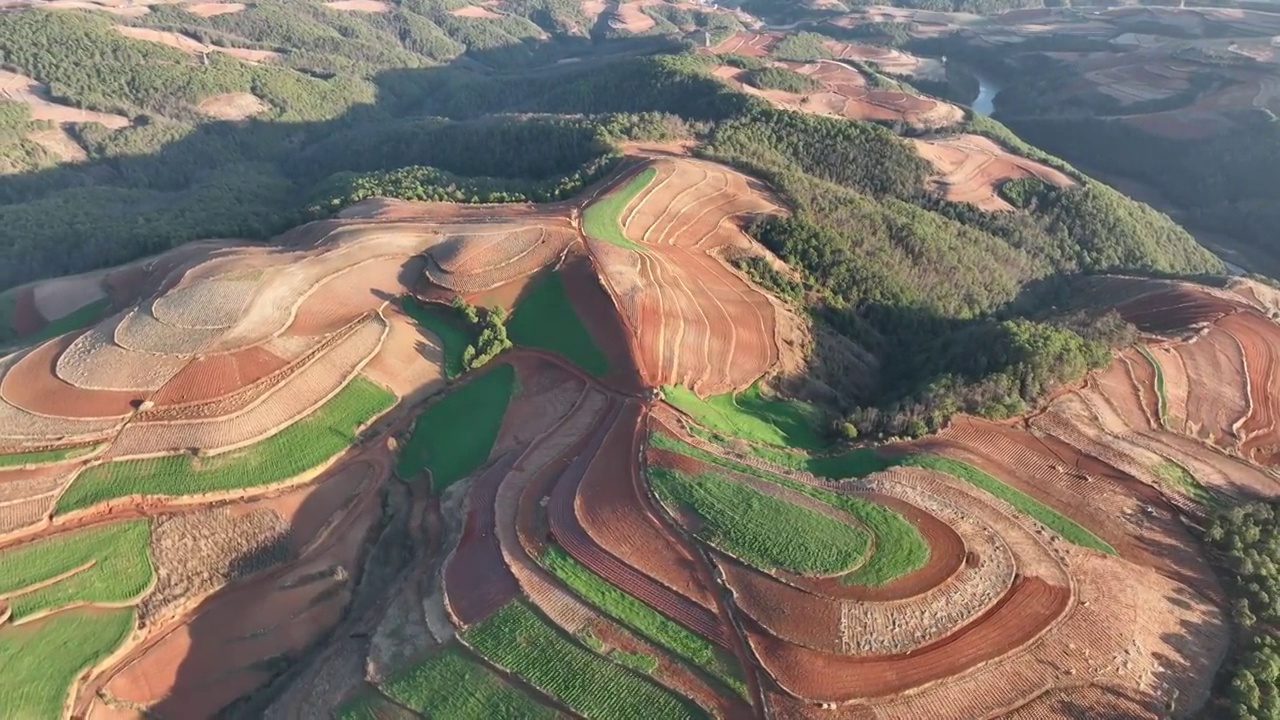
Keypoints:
pixel 213 376
pixel 1258 337
pixel 33 385
pixel 612 507
pixel 568 531
pixel 477 580
pixel 346 295
pixel 1173 309
pixel 1144 380
pixel 1016 619
pixel 26 317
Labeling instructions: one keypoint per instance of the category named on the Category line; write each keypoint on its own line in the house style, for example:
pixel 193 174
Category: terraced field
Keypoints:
pixel 623 518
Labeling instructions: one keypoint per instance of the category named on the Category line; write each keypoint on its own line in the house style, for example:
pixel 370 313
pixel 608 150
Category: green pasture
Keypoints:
pixel 298 448
pixel 454 435
pixel 519 639
pixel 546 319
pixel 760 529
pixel 693 649
pixel 601 219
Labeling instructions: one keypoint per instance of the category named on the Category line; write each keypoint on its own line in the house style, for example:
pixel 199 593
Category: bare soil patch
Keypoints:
pixel 20 88
pixel 211 9
pixel 475 11
pixel 365 6
pixel 632 19
pixel 972 167
pixel 194 47
pixel 232 106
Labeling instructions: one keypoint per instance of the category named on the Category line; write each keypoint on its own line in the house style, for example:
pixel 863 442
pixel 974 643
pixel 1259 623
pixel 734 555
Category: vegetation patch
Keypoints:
pixel 695 650
pixel 760 529
pixel 1163 399
pixel 1184 482
pixel 451 684
pixel 106 564
pixel 546 319
pixel 303 445
pixel 81 317
pixel 900 548
pixel 753 416
pixel 802 47
pixel 42 659
pixel 636 661
pixel 517 638
pixel 447 326
pixel 855 463
pixel 1047 516
pixel 46 457
pixel 454 435
pixel 600 219
pixel 779 78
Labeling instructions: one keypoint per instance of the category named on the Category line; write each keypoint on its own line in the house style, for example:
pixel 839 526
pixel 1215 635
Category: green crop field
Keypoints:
pixel 600 219
pixel 1059 523
pixel 517 638
pixel 113 564
pixel 761 529
pixel 636 661
pixel 546 319
pixel 455 434
pixel 41 659
pixel 44 457
pixel 752 416
pixel 900 548
pixel 695 650
pixel 451 684
pixel 1163 399
pixel 454 335
pixel 296 449
pixel 856 463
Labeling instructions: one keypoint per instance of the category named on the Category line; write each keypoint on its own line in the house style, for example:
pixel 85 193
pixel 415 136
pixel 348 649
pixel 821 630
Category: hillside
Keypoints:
pixel 555 359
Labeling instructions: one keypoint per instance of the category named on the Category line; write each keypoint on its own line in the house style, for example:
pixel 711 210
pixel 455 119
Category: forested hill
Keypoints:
pixel 955 303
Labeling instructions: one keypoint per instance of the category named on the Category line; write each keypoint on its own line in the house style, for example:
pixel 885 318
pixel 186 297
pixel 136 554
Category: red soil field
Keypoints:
pixel 1024 612
pixel 212 376
pixel 696 322
pixel 1215 408
pixel 342 297
pixel 747 43
pixel 613 506
pixel 1259 338
pixel 1143 374
pixel 971 167
pixel 33 385
pixel 26 317
pixel 476 578
pixel 610 452
pixel 1174 308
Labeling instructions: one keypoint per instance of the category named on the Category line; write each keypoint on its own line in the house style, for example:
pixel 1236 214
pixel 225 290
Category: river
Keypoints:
pixel 984 104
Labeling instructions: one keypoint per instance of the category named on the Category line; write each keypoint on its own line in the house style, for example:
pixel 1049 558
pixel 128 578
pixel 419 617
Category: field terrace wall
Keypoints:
pixel 694 321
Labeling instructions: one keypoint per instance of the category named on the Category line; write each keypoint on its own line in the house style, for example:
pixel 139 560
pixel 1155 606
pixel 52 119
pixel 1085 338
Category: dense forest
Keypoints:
pixel 1246 539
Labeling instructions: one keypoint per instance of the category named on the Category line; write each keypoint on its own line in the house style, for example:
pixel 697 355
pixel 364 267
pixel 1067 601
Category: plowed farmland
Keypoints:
pixel 267 484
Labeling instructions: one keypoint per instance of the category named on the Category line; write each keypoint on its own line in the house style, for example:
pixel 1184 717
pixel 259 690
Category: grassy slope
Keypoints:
pixel 855 463
pixel 43 457
pixel 1182 480
pixel 1059 523
pixel 600 219
pixel 454 435
pixel 516 637
pixel 449 684
pixel 42 659
pixel 119 568
pixel 546 319
pixel 74 320
pixel 296 449
pixel 752 416
pixel 900 548
pixel 690 647
pixel 761 529
pixel 1163 399
pixel 453 334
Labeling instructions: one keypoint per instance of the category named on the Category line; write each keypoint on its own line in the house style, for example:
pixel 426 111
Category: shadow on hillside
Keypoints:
pixel 250 641
pixel 253 178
